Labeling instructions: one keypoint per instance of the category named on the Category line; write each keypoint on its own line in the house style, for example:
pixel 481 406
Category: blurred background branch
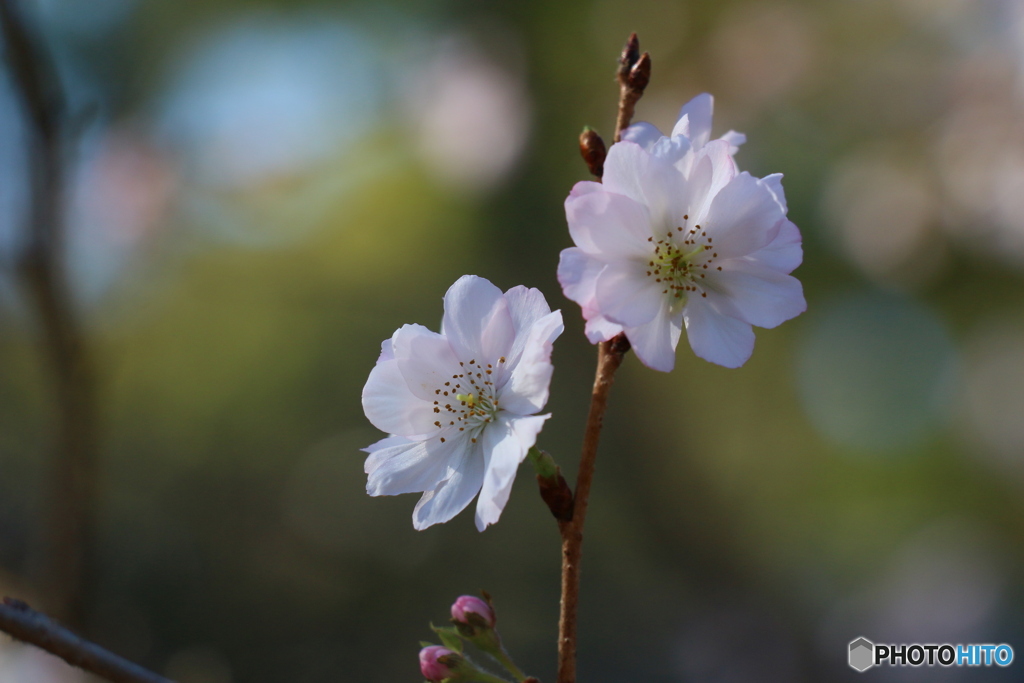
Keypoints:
pixel 70 508
pixel 20 621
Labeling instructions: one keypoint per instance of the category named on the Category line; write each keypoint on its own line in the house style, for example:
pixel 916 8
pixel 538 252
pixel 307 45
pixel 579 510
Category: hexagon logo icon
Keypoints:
pixel 862 654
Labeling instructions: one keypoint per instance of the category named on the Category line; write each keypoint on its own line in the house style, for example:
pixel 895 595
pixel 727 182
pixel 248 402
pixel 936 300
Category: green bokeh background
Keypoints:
pixel 855 477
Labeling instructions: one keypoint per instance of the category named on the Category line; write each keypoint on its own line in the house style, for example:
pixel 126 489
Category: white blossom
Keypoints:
pixel 461 405
pixel 676 236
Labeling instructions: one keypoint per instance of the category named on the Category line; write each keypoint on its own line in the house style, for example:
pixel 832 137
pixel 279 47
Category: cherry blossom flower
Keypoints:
pixel 461 405
pixel 676 236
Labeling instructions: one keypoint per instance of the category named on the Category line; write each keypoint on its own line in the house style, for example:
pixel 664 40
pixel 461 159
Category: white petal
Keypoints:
pixel 391 407
pixel 723 167
pixel 425 359
pixel 643 134
pixel 386 442
pixel 626 295
pixel 476 320
pixel 784 253
pixel 408 466
pixel 586 187
pixel 386 352
pixel 762 296
pixel 647 179
pixel 682 127
pixel 716 337
pixel 676 151
pixel 604 223
pixel 697 195
pixel 452 495
pixel 655 343
pixel 743 217
pixel 577 273
pixel 774 183
pixel 527 389
pixel 525 306
pixel 735 140
pixel 698 113
pixel 505 445
pixel 600 328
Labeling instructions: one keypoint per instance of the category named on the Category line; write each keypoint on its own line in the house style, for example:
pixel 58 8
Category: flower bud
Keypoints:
pixel 473 611
pixel 630 55
pixel 593 151
pixel 435 662
pixel 640 74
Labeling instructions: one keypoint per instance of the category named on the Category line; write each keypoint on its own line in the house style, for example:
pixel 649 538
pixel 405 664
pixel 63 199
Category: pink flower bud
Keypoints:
pixel 468 604
pixel 432 669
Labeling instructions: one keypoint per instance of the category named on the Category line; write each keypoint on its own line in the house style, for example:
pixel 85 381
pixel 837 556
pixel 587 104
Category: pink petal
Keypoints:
pixel 698 113
pixel 743 217
pixel 603 223
pixel 647 179
pixel 626 295
pixel 762 296
pixel 774 183
pixel 643 134
pixel 715 337
pixel 600 328
pixel 784 253
pixel 577 273
pixel 655 343
pixel 735 140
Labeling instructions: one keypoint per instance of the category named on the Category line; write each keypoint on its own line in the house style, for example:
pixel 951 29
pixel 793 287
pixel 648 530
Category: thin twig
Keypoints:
pixel 22 622
pixel 609 357
pixel 68 523
pixel 634 73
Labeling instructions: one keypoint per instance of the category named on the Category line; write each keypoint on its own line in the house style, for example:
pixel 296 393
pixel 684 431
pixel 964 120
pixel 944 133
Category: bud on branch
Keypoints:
pixel 553 487
pixel 593 151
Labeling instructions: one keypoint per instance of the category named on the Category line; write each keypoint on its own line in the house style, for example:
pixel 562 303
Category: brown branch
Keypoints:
pixel 68 523
pixel 633 75
pixel 609 357
pixel 25 624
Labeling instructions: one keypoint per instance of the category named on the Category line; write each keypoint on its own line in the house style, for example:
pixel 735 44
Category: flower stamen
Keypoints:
pixel 677 266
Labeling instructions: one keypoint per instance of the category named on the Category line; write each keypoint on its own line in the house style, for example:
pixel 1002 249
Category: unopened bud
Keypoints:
pixel 630 53
pixel 437 663
pixel 640 74
pixel 593 151
pixel 471 610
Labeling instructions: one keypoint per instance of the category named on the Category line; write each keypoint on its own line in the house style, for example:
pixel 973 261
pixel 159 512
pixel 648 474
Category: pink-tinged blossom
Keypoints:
pixel 676 237
pixel 430 667
pixel 468 604
pixel 461 405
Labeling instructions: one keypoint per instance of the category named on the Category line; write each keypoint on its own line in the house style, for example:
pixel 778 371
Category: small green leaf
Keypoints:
pixel 449 637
